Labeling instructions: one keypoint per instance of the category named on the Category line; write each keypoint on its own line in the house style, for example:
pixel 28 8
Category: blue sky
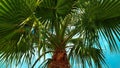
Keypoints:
pixel 113 60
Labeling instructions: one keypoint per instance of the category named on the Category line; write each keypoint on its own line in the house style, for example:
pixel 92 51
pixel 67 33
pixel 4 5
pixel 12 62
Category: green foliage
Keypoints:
pixel 52 9
pixel 14 29
pixel 27 26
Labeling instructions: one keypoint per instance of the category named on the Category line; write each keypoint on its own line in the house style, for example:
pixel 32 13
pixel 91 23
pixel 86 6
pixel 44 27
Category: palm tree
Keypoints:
pixel 69 30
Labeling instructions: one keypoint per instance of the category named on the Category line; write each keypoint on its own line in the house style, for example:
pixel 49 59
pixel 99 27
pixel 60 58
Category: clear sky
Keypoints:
pixel 113 60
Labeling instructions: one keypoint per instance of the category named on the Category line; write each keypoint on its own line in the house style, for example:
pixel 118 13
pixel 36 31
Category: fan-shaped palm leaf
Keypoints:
pixel 16 23
pixel 101 18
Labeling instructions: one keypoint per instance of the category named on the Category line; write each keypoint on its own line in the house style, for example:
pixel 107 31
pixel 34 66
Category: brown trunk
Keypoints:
pixel 59 60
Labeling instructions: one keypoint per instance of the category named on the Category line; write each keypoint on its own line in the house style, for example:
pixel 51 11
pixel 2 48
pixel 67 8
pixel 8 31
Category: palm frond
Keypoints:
pixel 51 9
pixel 81 55
pixel 98 16
pixel 15 33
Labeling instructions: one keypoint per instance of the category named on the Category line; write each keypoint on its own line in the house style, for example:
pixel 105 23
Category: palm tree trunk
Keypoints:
pixel 59 59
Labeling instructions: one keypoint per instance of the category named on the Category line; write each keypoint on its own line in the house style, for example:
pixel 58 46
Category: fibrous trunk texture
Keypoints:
pixel 59 59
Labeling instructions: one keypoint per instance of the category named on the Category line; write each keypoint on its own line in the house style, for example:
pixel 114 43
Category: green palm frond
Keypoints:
pixel 49 12
pixel 16 23
pixel 98 16
pixel 81 55
pixel 51 9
